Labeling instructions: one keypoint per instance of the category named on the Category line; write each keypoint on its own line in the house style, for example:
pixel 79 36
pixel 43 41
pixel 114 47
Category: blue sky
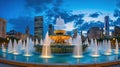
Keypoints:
pixel 81 14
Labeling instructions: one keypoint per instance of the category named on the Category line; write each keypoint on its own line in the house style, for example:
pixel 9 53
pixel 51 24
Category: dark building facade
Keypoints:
pixel 38 27
pixel 27 31
pixel 106 19
pixel 2 28
pixel 51 29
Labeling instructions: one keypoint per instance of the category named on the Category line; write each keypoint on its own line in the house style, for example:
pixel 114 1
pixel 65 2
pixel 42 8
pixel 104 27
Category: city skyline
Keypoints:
pixel 84 13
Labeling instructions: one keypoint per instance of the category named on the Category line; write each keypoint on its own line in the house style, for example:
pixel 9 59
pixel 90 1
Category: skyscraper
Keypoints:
pixel 2 28
pixel 106 19
pixel 51 29
pixel 38 27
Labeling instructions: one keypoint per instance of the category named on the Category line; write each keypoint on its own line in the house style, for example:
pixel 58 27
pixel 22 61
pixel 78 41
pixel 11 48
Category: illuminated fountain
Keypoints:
pixel 95 52
pixel 46 50
pixel 108 48
pixel 20 45
pixel 36 42
pixel 41 42
pixel 60 37
pixel 3 48
pixel 10 47
pixel 65 46
pixel 116 47
pixel 15 48
pixel 78 47
pixel 29 48
pixel 23 45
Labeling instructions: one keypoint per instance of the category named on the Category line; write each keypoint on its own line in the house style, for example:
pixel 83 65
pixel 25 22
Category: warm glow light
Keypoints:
pixel 81 56
pixel 108 53
pixel 95 55
pixel 27 55
pixel 3 50
pixel 116 52
pixel 46 56
pixel 15 53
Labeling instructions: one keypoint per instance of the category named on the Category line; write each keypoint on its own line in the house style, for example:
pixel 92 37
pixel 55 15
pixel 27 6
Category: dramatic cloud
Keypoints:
pixel 21 23
pixel 95 15
pixel 88 25
pixel 38 5
pixel 118 3
pixel 116 13
pixel 117 22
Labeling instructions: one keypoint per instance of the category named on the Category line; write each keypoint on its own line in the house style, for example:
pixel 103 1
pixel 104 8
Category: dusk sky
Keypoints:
pixel 81 14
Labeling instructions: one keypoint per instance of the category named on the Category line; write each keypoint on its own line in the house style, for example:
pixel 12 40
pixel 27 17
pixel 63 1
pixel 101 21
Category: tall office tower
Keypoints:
pixel 38 27
pixel 2 28
pixel 106 19
pixel 51 29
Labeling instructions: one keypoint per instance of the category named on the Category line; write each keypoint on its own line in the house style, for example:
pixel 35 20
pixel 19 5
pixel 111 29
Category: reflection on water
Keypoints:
pixel 61 59
pixel 46 60
pixel 14 57
pixel 4 55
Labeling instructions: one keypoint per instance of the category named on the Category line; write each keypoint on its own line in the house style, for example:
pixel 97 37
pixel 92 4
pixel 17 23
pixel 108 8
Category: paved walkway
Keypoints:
pixel 7 65
pixel 113 66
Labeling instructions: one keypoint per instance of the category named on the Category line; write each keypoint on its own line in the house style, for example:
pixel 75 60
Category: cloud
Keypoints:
pixel 116 13
pixel 117 22
pixel 118 3
pixel 88 25
pixel 94 15
pixel 37 5
pixel 69 26
pixel 20 23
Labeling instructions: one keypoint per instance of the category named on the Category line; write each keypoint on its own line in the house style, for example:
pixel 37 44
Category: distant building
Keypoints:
pixel 106 19
pixel 94 33
pixel 27 31
pixel 38 27
pixel 11 33
pixel 51 29
pixel 18 35
pixel 75 33
pixel 116 31
pixel 101 32
pixel 2 28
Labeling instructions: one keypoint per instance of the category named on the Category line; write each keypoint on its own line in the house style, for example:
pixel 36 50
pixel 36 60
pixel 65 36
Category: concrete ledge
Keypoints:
pixel 106 64
pixel 23 64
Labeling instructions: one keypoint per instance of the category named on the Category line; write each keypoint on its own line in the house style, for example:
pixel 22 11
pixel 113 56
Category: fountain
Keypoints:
pixel 36 42
pixel 95 52
pixel 41 42
pixel 27 51
pixel 3 48
pixel 60 36
pixel 46 50
pixel 78 47
pixel 108 48
pixel 63 54
pixel 116 47
pixel 10 47
pixel 23 45
pixel 70 41
pixel 86 42
pixel 15 48
pixel 20 45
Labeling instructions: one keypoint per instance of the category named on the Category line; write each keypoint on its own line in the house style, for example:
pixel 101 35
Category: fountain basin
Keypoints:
pixel 60 59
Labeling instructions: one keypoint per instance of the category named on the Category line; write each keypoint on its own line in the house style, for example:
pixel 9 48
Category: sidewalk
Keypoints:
pixel 7 65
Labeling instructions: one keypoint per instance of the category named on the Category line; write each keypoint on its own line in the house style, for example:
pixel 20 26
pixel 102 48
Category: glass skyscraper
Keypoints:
pixel 38 27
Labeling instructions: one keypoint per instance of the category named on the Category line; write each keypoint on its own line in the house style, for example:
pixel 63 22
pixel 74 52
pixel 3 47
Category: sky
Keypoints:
pixel 80 14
